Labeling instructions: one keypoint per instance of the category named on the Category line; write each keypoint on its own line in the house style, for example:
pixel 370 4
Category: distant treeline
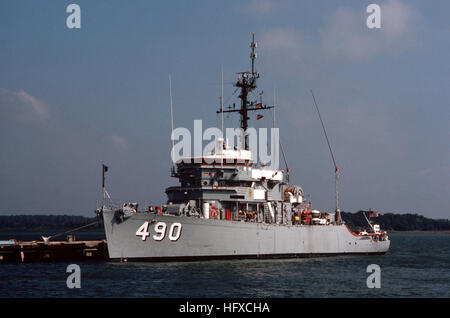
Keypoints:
pixel 396 222
pixel 44 222
pixel 356 221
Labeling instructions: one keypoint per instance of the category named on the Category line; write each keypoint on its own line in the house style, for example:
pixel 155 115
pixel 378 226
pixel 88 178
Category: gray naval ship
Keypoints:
pixel 228 207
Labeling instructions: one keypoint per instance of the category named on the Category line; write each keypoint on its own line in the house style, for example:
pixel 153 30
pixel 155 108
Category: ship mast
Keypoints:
pixel 247 83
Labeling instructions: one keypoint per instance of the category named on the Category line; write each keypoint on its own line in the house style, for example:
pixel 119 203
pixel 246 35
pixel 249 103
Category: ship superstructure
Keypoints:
pixel 228 206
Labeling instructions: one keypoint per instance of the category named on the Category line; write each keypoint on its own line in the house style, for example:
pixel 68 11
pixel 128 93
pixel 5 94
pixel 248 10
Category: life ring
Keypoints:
pixel 214 214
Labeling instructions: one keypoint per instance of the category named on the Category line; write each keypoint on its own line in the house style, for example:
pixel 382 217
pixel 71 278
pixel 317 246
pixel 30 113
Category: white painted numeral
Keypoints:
pixel 175 227
pixel 160 229
pixel 143 231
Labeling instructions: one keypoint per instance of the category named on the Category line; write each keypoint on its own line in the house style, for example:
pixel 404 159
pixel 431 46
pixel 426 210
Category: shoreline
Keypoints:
pixel 50 231
pixel 422 232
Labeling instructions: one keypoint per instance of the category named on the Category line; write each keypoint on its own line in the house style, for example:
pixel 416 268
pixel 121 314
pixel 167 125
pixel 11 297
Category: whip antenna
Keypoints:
pixel 336 169
pixel 221 110
pixel 171 122
pixel 279 138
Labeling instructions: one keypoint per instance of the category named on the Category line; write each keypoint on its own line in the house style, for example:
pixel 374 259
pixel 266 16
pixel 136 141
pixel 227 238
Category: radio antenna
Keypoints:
pixel 221 98
pixel 336 169
pixel 221 109
pixel 279 137
pixel 171 122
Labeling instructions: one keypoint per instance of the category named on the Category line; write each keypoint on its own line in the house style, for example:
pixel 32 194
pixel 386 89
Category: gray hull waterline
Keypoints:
pixel 219 239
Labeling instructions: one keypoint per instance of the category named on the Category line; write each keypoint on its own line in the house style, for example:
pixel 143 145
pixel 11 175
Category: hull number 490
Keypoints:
pixel 160 231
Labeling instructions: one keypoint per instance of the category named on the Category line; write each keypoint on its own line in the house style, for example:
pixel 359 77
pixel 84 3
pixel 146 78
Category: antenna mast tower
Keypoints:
pixel 247 83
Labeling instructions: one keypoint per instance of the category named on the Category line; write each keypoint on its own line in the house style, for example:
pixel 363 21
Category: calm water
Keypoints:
pixel 417 265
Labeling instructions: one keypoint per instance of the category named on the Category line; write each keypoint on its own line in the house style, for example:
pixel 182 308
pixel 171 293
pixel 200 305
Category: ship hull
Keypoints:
pixel 151 237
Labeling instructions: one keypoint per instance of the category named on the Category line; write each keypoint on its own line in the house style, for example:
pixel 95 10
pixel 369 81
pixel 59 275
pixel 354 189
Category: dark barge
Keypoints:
pixel 12 251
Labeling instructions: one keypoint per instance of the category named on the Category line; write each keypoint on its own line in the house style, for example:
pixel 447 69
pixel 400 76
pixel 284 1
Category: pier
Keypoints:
pixel 12 251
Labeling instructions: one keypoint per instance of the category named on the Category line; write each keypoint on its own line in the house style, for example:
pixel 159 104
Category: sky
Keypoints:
pixel 72 99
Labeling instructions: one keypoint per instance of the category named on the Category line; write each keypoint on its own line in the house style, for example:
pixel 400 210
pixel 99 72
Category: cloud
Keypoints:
pixel 284 40
pixel 347 37
pixel 22 107
pixel 425 172
pixel 398 19
pixel 119 142
pixel 261 8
